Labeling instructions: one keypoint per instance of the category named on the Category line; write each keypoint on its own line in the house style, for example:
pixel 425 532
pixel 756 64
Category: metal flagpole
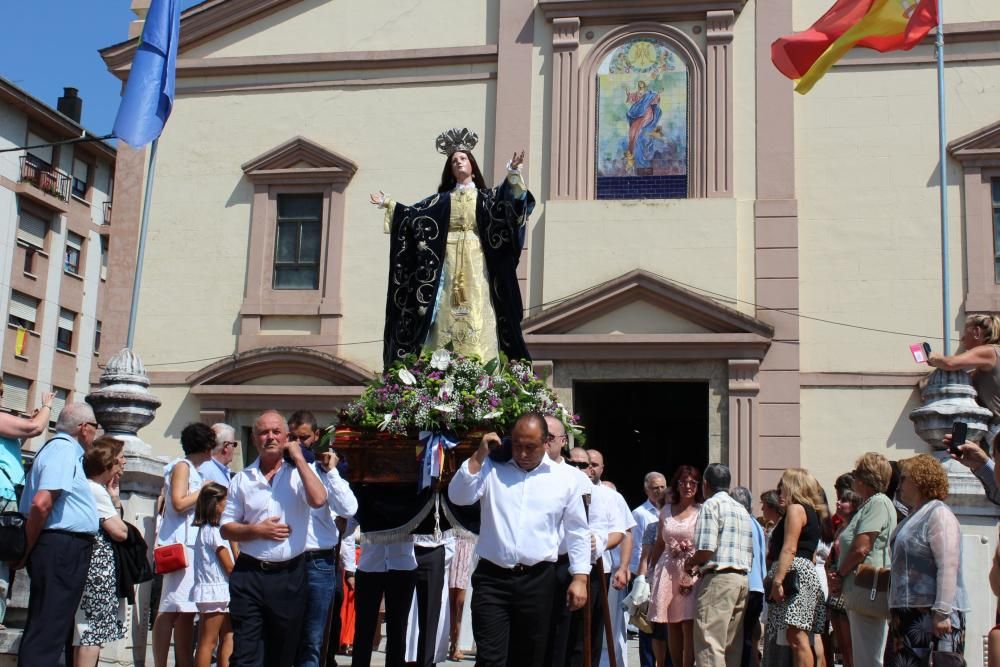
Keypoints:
pixel 943 166
pixel 143 225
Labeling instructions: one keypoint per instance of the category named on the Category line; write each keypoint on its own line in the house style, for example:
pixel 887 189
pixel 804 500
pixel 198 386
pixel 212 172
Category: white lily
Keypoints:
pixel 492 415
pixel 406 377
pixel 385 422
pixel 484 384
pixel 440 360
pixel 444 408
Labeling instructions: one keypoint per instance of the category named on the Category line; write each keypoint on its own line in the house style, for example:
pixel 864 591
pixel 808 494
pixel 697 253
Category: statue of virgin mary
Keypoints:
pixel 453 260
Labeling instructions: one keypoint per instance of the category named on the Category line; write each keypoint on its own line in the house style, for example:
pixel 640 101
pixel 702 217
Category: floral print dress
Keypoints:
pixel 672 596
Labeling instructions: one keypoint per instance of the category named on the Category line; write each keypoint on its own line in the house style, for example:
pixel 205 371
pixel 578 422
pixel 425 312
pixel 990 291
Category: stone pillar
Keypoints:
pixel 719 66
pixel 743 445
pixel 565 46
pixel 123 405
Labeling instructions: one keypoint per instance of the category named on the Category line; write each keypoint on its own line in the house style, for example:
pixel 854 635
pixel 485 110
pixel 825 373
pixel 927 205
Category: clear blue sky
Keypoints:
pixel 50 44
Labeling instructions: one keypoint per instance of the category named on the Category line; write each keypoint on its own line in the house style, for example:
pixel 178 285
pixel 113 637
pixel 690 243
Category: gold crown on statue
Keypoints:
pixel 456 139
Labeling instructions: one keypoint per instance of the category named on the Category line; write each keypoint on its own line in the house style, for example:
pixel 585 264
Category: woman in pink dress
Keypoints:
pixel 672 600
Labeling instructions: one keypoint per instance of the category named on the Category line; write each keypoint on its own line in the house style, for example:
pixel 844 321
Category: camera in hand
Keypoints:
pixel 959 434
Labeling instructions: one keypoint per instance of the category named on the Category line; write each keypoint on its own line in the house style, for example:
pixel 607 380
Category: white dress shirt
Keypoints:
pixel 522 512
pixel 644 515
pixel 340 501
pixel 252 500
pixel 375 557
pixel 621 522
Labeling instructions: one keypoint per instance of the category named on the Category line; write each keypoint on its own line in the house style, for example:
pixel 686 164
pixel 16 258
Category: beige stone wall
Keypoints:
pixel 841 424
pixel 318 26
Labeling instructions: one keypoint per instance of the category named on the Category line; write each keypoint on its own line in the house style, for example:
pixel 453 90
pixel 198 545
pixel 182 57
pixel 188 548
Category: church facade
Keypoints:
pixel 716 269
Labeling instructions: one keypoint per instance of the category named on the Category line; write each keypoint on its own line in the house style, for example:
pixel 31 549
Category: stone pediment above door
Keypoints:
pixel 642 315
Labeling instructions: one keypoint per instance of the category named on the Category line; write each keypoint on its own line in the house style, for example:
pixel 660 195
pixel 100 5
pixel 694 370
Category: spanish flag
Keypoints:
pixel 882 25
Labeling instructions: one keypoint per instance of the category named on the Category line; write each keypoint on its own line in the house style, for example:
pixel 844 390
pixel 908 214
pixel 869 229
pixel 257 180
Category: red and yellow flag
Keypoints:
pixel 882 25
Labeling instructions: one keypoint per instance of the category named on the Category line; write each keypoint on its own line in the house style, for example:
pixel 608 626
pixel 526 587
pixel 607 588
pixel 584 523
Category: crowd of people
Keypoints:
pixel 274 572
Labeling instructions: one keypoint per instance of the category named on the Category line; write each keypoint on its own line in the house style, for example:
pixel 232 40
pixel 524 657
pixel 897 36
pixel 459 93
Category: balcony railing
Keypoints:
pixel 107 212
pixel 45 177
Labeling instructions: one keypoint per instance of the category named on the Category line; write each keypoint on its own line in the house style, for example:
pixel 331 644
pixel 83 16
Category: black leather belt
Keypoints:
pixel 319 553
pixel 520 568
pixel 252 563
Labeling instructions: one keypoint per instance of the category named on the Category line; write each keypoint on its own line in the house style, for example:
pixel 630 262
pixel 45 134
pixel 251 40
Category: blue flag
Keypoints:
pixel 149 93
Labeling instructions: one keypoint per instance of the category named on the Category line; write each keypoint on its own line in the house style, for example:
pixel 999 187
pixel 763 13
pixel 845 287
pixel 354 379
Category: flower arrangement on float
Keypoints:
pixel 442 402
pixel 444 391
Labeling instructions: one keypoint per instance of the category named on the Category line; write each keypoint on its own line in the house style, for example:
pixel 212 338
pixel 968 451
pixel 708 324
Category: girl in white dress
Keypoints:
pixel 213 563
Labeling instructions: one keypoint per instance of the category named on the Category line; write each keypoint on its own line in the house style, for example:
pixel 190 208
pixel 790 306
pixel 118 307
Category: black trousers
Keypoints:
pixel 511 614
pixel 596 602
pixel 751 621
pixel 561 651
pixel 58 569
pixel 369 587
pixel 266 609
pixel 430 583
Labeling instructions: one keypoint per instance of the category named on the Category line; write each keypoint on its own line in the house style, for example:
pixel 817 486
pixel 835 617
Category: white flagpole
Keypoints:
pixel 143 225
pixel 943 168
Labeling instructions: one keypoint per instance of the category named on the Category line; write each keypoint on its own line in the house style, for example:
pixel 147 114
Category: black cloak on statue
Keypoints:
pixel 418 239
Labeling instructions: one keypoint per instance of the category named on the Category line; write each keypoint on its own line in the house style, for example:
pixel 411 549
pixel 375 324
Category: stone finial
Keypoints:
pixel 122 403
pixel 949 397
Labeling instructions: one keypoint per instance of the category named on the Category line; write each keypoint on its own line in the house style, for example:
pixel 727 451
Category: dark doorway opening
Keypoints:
pixel 644 426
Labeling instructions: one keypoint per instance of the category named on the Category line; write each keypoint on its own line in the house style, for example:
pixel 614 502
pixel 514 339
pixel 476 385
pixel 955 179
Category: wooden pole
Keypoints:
pixel 609 632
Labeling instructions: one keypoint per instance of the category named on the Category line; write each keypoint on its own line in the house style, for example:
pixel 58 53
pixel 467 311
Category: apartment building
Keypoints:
pixel 55 213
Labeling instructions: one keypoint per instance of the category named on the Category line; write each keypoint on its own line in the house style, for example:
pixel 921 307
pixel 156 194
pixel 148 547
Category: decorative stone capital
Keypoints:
pixel 122 403
pixel 949 397
pixel 566 34
pixel 743 377
pixel 719 26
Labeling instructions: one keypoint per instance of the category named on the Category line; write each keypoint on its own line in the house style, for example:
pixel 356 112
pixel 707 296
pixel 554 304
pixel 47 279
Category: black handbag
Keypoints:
pixel 790 585
pixel 13 528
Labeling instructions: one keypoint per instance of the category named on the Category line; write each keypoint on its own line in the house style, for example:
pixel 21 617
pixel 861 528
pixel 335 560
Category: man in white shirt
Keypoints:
pixel 524 502
pixel 382 569
pixel 321 545
pixel 430 553
pixel 268 512
pixel 216 468
pixel 655 485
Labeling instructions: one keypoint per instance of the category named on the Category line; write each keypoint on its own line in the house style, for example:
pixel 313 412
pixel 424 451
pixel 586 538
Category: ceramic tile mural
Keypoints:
pixel 642 122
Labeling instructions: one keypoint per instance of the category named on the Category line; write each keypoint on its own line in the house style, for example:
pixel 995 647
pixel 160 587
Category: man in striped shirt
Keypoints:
pixel 723 540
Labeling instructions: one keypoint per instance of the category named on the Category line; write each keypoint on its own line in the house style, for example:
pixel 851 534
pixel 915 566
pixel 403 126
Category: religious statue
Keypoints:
pixel 453 260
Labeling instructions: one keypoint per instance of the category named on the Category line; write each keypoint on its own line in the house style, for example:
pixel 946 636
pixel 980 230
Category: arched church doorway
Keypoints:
pixel 644 426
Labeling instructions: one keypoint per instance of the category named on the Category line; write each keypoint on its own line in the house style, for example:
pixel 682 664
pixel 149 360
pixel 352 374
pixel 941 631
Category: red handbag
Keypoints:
pixel 169 558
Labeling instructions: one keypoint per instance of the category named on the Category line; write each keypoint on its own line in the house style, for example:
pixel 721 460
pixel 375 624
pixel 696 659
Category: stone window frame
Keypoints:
pixel 298 166
pixel 978 154
pixel 574 89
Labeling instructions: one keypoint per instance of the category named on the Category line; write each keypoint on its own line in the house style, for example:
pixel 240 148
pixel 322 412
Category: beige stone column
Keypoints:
pixel 719 116
pixel 743 443
pixel 563 153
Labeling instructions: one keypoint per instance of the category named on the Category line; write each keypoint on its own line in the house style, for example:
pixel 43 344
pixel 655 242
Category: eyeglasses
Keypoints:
pixel 687 482
pixel 231 443
pixel 94 424
pixel 578 464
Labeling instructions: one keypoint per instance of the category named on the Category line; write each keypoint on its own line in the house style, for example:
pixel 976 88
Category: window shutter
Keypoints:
pixel 24 307
pixel 15 393
pixel 80 169
pixel 44 153
pixel 66 319
pixel 58 403
pixel 31 229
pixel 74 241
